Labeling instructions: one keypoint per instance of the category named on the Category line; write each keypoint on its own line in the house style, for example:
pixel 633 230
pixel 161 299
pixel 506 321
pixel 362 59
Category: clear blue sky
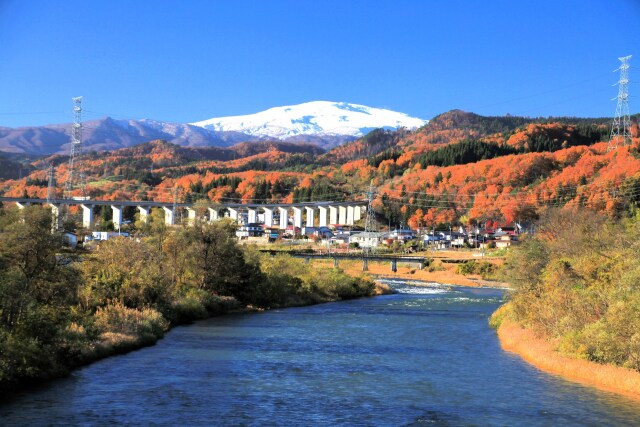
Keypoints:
pixel 184 61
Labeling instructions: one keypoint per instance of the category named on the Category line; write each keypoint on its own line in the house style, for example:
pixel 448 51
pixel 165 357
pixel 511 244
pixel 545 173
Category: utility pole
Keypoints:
pixel 620 128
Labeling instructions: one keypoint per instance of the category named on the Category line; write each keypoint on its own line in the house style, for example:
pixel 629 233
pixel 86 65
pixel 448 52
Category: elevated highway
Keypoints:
pixel 271 215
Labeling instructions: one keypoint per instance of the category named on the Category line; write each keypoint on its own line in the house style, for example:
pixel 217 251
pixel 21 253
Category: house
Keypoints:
pixel 506 241
pixel 105 235
pixel 322 232
pixel 368 239
pixel 250 230
pixel 340 238
pixel 404 234
pixel 512 231
pixel 430 238
pixel 291 231
pixel 458 239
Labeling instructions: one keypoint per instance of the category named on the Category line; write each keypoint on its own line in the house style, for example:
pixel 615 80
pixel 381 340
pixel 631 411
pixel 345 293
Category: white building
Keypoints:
pixel 368 239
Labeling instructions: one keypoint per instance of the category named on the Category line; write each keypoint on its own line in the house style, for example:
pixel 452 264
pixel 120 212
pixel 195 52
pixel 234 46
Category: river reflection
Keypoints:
pixel 423 356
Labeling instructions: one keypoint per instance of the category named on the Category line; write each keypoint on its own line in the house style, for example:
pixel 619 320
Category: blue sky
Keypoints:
pixel 185 61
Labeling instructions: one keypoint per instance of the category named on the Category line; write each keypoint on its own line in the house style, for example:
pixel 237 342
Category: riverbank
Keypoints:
pixel 543 355
pixel 147 333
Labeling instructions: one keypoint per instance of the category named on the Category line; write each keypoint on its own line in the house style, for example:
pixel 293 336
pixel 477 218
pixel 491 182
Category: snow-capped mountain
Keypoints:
pixel 326 124
pixel 315 119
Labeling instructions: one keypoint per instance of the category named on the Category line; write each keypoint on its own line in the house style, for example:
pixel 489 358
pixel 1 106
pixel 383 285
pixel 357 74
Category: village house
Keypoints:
pixel 368 239
pixel 404 234
pixel 505 241
pixel 250 230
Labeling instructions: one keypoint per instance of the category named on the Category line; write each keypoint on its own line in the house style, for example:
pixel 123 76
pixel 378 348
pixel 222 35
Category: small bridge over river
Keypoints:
pixel 335 213
pixel 417 261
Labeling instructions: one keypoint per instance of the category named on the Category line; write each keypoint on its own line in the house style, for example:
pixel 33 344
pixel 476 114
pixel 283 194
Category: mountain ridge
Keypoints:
pixel 110 134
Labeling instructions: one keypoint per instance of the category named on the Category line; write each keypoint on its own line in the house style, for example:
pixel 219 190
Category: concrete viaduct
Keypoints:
pixel 334 213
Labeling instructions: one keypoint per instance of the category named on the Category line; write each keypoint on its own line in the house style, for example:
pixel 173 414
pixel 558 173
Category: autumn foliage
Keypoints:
pixel 460 168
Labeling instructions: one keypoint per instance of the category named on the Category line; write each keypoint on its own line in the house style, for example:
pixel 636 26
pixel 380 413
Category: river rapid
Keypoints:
pixel 422 356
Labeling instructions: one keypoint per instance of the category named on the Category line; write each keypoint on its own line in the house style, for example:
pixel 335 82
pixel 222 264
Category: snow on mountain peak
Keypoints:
pixel 317 118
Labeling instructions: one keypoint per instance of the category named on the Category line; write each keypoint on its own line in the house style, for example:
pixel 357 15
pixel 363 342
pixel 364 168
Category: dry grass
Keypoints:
pixel 543 355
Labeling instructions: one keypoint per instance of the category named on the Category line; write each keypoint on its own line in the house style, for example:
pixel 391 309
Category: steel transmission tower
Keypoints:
pixel 620 128
pixel 76 150
pixel 370 226
pixel 51 188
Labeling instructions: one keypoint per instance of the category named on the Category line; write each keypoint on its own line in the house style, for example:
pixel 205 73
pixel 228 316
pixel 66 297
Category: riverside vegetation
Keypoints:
pixel 61 309
pixel 577 284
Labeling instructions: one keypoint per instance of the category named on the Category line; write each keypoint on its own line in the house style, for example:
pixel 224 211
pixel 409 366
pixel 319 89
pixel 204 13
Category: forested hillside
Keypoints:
pixel 460 168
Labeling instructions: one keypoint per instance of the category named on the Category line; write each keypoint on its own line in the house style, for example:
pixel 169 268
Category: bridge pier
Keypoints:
pixel 168 215
pixel 350 215
pixel 297 217
pixel 252 216
pixel 322 216
pixel 233 213
pixel 333 215
pixel 117 217
pixel 357 213
pixel 394 265
pixel 284 218
pixel 144 213
pixel 342 215
pixel 191 216
pixel 55 216
pixel 87 216
pixel 310 219
pixel 365 264
pixel 214 215
pixel 335 262
pixel 268 217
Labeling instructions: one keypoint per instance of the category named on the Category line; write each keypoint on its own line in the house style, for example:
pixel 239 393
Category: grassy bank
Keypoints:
pixel 544 355
pixel 575 307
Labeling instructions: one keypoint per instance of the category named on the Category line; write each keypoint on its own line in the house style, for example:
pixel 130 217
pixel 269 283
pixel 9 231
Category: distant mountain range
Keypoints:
pixel 326 124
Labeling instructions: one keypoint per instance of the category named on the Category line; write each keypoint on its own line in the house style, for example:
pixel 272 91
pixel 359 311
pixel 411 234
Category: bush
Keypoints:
pixel 145 325
pixel 189 307
pixel 483 268
pixel 436 265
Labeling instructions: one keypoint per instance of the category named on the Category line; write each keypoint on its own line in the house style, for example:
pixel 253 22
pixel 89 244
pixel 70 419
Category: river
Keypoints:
pixel 422 356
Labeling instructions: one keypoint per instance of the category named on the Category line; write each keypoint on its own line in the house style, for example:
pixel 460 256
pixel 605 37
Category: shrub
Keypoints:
pixel 436 265
pixel 143 324
pixel 483 268
pixel 188 307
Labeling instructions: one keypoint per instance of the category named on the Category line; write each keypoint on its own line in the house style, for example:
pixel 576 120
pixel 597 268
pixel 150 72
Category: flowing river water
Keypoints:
pixel 422 356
